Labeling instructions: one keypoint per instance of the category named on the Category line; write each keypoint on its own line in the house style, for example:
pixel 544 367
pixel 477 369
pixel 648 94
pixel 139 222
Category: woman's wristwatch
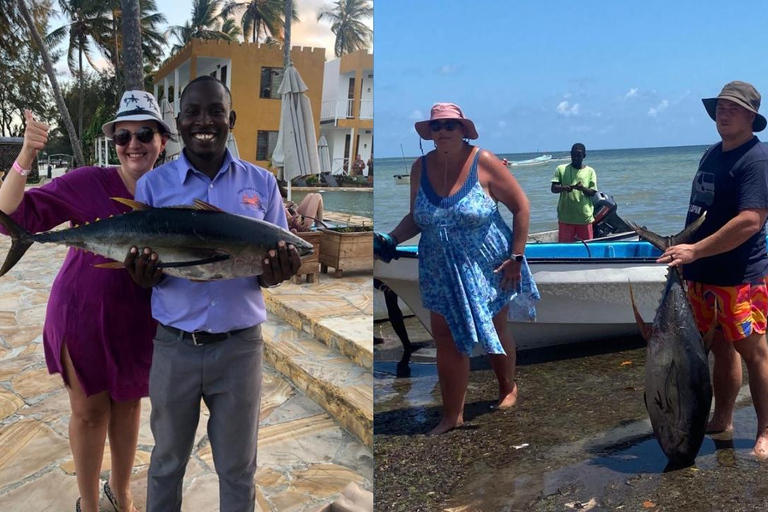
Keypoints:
pixel 517 257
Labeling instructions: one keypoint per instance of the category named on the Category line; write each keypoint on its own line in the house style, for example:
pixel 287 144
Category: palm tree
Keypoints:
pixel 134 70
pixel 346 17
pixel 152 41
pixel 230 29
pixel 258 15
pixel 48 64
pixel 88 21
pixel 205 24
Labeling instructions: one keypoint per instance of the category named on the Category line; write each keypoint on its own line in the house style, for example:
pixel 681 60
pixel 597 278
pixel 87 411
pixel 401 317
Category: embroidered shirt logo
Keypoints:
pixel 251 201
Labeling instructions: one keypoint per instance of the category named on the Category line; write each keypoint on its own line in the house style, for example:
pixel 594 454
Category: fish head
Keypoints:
pixel 302 246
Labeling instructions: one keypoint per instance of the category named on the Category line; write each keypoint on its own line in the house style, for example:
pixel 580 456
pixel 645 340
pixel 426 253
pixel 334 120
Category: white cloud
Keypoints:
pixel 661 107
pixel 566 109
pixel 416 115
pixel 631 94
pixel 447 69
pixel 502 124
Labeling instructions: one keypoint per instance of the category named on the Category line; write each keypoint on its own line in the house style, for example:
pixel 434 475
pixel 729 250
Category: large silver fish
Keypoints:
pixel 678 391
pixel 199 242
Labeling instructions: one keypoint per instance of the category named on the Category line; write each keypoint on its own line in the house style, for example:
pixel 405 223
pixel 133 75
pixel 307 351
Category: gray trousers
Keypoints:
pixel 227 375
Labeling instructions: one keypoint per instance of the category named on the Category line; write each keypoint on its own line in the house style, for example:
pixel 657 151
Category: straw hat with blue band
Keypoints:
pixel 137 106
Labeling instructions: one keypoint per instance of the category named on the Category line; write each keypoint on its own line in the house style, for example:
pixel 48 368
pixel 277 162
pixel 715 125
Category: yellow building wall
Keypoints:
pixel 354 61
pixel 254 114
pixel 357 62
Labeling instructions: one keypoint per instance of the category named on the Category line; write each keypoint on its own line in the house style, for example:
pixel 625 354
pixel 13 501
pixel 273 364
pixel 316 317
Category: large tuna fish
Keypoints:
pixel 198 242
pixel 678 391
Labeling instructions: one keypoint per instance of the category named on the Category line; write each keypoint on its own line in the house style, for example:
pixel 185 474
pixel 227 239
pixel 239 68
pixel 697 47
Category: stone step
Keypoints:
pixel 337 312
pixel 336 383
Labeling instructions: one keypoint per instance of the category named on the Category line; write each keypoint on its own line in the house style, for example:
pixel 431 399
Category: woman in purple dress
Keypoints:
pixel 98 325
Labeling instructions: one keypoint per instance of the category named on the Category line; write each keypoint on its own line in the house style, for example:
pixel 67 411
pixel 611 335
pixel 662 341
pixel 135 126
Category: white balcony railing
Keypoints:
pixel 366 109
pixel 345 109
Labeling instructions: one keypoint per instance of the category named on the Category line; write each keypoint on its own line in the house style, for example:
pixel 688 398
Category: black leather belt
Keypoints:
pixel 203 337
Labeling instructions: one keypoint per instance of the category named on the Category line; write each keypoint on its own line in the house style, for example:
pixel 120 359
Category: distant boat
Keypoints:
pixel 402 179
pixel 539 160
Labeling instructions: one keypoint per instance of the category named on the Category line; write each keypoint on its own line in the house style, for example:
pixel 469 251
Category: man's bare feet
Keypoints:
pixel 446 425
pixel 761 446
pixel 717 426
pixel 507 399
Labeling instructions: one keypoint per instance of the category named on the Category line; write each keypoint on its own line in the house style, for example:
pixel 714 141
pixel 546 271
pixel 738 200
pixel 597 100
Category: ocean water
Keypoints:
pixel 353 203
pixel 651 186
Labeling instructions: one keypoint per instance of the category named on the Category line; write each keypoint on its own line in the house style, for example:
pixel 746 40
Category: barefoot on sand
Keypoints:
pixel 761 447
pixel 507 399
pixel 719 427
pixel 445 426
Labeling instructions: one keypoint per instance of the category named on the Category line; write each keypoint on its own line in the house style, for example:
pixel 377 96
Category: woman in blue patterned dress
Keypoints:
pixel 470 262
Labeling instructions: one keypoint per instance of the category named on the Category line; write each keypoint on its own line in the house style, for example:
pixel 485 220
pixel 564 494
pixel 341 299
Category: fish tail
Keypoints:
pixel 658 241
pixel 21 240
pixel 662 242
pixel 685 235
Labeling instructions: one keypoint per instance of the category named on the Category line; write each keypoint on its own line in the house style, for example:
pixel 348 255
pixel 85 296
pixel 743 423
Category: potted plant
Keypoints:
pixel 346 248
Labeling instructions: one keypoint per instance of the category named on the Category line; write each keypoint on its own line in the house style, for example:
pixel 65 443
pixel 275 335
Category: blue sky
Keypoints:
pixel 540 75
pixel 308 32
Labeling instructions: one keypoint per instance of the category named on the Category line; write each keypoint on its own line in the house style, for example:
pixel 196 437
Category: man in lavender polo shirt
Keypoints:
pixel 221 363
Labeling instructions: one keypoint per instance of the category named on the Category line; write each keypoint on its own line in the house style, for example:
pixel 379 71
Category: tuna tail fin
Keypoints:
pixel 662 242
pixel 645 330
pixel 21 240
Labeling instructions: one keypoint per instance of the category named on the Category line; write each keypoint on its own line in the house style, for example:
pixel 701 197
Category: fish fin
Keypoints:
pixel 710 336
pixel 645 330
pixel 21 241
pixel 672 398
pixel 136 205
pixel 111 264
pixel 202 205
pixel 213 257
pixel 684 236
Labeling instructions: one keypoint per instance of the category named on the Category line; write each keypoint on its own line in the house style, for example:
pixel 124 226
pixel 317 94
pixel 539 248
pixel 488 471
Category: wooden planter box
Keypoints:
pixel 346 251
pixel 310 265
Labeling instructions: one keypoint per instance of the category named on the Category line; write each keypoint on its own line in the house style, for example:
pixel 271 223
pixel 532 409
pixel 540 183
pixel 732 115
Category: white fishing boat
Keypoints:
pixel 379 306
pixel 402 179
pixel 584 290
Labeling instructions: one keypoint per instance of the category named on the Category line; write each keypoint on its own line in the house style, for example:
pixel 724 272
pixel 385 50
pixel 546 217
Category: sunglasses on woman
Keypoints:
pixel 123 137
pixel 449 126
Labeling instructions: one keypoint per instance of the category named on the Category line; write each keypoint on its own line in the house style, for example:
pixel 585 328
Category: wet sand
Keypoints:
pixel 578 439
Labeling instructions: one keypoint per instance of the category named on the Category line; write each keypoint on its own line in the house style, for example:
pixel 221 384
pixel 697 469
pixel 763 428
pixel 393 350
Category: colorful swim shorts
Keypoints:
pixel 741 309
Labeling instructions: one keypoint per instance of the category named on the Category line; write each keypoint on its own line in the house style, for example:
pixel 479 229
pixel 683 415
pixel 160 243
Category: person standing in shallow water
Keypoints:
pixel 576 183
pixel 470 262
pixel 726 266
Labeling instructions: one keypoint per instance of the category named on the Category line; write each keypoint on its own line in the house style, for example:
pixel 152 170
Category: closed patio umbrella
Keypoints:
pixel 174 145
pixel 296 150
pixel 232 146
pixel 324 154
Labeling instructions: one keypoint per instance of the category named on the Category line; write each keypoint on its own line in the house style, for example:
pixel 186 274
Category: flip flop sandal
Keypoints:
pixel 110 496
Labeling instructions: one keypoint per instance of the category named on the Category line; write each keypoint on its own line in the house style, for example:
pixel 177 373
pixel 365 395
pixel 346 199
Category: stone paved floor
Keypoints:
pixel 305 459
